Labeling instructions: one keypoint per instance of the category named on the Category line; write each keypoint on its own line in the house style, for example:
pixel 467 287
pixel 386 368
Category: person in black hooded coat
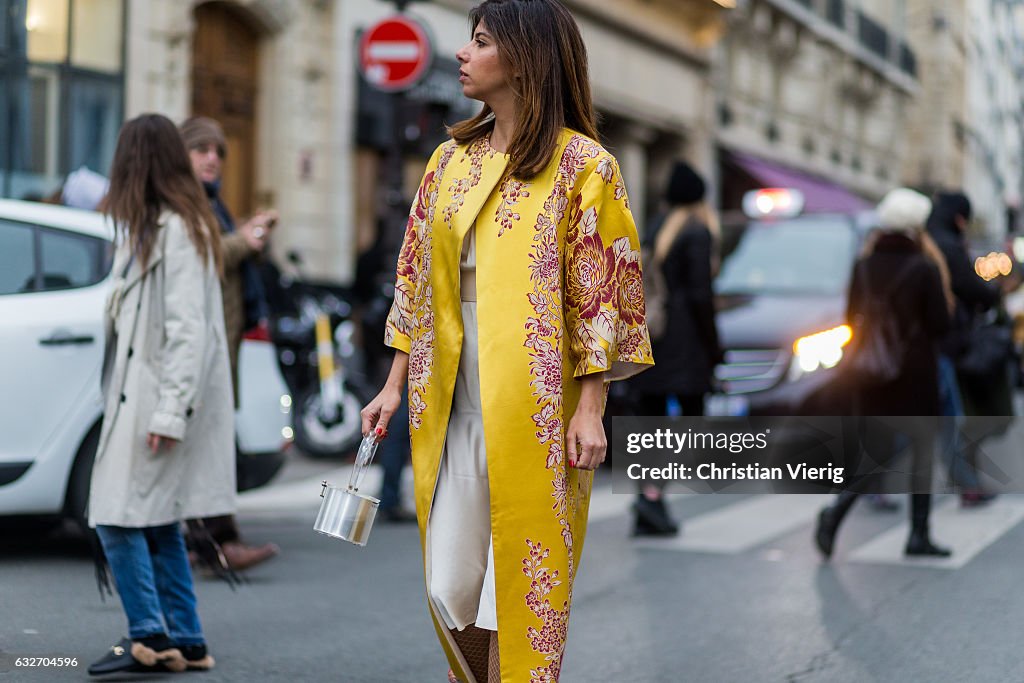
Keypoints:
pixel 973 396
pixel 946 224
pixel 684 247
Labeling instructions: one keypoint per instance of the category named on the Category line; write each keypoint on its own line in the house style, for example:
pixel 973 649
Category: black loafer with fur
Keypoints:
pixel 149 654
pixel 196 657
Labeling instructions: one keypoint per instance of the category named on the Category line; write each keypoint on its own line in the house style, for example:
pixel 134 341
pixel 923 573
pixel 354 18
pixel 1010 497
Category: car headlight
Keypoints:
pixel 819 350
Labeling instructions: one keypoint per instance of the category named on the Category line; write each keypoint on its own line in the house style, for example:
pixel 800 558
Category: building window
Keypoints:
pixel 62 68
pixel 908 61
pixel 835 12
pixel 873 35
pixel 5 13
pixel 46 29
pixel 91 46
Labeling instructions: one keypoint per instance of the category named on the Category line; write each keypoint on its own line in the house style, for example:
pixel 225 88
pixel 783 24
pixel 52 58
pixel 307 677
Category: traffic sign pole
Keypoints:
pixel 394 55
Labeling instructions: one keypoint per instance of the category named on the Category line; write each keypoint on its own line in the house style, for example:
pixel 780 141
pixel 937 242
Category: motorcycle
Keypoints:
pixel 312 328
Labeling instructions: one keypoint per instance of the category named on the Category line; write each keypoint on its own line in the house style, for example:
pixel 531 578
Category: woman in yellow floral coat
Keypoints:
pixel 519 294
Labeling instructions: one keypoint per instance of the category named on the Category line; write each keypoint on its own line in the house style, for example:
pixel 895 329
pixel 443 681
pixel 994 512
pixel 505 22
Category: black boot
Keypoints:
pixel 652 518
pixel 919 544
pixel 829 520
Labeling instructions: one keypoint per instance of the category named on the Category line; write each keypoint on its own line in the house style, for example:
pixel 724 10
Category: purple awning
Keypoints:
pixel 820 194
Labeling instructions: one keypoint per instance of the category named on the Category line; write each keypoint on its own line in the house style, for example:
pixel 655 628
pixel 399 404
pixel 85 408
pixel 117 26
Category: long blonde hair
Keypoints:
pixel 678 219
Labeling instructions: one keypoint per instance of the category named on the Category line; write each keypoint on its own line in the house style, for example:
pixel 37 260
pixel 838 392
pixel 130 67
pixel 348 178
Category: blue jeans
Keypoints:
pixel 950 446
pixel 153 577
pixel 394 453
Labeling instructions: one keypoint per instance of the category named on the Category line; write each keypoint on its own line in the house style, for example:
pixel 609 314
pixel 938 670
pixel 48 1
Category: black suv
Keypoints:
pixel 781 295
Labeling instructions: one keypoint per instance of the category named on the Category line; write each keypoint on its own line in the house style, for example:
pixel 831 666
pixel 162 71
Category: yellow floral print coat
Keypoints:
pixel 559 296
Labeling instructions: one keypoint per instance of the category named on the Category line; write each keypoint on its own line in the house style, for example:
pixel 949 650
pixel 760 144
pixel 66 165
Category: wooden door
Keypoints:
pixel 225 85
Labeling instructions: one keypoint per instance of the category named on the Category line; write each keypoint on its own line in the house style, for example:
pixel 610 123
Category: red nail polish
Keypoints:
pixel 572 463
pixel 379 431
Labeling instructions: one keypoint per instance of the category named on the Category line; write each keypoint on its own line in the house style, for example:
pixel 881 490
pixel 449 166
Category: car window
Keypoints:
pixel 65 260
pixel 70 260
pixel 806 256
pixel 17 259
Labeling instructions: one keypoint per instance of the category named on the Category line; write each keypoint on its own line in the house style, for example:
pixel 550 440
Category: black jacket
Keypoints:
pixel 686 355
pixel 899 277
pixel 973 294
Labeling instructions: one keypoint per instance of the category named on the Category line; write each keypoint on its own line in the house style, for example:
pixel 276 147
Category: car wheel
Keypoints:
pixel 77 499
pixel 320 438
pixel 253 470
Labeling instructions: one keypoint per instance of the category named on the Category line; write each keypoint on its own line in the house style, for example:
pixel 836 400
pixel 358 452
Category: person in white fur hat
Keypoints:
pixel 899 277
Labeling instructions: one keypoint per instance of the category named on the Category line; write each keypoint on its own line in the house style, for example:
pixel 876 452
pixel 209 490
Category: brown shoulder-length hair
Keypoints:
pixel 543 53
pixel 152 172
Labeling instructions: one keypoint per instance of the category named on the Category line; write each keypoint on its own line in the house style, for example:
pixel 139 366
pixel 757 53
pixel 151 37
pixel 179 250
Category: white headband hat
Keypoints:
pixel 903 210
pixel 84 189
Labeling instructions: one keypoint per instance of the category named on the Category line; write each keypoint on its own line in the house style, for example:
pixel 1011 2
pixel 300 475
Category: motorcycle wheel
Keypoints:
pixel 321 439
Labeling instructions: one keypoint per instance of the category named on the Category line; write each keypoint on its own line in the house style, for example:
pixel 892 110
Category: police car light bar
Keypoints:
pixel 773 202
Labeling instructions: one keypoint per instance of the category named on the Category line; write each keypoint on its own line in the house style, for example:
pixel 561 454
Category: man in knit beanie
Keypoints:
pixel 243 304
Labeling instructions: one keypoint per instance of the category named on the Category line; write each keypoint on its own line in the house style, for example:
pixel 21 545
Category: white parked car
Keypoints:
pixel 54 275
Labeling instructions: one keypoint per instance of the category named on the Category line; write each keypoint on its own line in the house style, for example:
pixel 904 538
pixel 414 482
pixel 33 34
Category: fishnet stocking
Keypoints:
pixel 493 665
pixel 475 646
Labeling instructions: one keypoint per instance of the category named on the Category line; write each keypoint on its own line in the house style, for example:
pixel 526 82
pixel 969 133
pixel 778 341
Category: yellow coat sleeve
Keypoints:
pixel 605 314
pixel 412 265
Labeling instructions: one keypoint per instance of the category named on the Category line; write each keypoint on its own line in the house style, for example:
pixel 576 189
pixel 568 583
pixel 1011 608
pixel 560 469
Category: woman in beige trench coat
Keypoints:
pixel 166 450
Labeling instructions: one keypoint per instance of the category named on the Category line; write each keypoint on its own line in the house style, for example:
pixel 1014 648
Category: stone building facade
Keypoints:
pixel 966 127
pixel 821 90
pixel 268 70
pixel 304 130
pixel 815 90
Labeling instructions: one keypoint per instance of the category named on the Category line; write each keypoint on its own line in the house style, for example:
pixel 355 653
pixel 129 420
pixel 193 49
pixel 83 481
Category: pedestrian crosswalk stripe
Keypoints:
pixel 607 505
pixel 731 529
pixel 744 525
pixel 966 532
pixel 303 495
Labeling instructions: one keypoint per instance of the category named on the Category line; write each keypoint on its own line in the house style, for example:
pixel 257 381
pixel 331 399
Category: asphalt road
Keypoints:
pixel 740 596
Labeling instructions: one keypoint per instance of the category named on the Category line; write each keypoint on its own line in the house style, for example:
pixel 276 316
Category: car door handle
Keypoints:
pixel 66 339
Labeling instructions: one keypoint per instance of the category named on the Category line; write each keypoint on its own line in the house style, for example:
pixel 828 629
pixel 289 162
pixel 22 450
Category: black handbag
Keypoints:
pixel 879 346
pixel 989 347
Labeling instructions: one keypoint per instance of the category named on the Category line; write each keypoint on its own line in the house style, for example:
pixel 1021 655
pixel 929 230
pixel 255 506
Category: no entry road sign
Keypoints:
pixel 394 54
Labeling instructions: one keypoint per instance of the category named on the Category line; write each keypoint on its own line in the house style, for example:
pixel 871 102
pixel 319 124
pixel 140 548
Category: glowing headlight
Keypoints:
pixel 821 350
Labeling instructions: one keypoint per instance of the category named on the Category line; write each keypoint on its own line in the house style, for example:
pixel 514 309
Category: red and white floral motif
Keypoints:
pixel 545 266
pixel 549 639
pixel 560 493
pixel 590 282
pixel 460 186
pixel 630 280
pixel 549 424
pixel 412 314
pixel 512 191
pixel 544 339
pixel 620 191
pixel 606 169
